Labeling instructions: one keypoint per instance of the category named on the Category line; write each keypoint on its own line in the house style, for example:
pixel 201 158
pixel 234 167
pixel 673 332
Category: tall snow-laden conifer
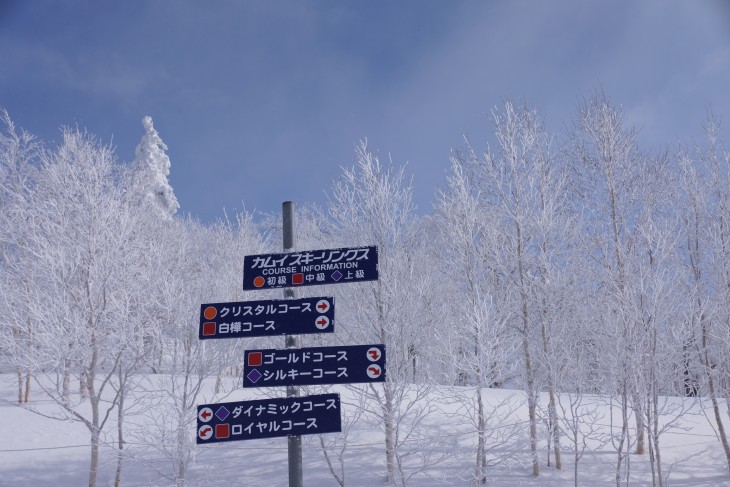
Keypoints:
pixel 152 167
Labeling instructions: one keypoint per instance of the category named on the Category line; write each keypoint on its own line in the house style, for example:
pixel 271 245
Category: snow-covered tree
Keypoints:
pixel 626 235
pixel 18 160
pixel 371 205
pixel 152 168
pixel 704 183
pixel 80 255
pixel 476 341
pixel 519 189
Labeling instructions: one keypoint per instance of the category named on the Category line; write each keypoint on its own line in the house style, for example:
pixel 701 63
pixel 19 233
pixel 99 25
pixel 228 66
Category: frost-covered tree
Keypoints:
pixel 607 160
pixel 704 183
pixel 189 264
pixel 371 205
pixel 520 191
pixel 80 255
pixel 152 168
pixel 476 341
pixel 624 233
pixel 18 161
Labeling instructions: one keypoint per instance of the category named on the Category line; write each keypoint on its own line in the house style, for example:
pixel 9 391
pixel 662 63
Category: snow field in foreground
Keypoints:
pixel 39 451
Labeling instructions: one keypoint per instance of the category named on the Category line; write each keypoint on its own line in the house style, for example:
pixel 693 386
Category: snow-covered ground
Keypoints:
pixel 43 452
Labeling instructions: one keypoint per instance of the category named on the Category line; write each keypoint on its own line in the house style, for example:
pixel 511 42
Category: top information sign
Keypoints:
pixel 310 268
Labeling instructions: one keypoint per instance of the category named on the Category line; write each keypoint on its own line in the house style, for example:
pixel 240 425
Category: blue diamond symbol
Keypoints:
pixel 337 275
pixel 222 413
pixel 254 376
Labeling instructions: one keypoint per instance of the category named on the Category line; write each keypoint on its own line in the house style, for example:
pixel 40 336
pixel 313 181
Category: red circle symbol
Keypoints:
pixel 259 281
pixel 210 312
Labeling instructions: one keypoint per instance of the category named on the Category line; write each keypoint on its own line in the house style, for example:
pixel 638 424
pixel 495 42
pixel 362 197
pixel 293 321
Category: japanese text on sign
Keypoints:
pixel 248 420
pixel 267 318
pixel 310 268
pixel 314 366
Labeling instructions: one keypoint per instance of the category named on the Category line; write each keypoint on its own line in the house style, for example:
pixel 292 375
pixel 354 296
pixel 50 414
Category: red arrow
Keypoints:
pixel 323 306
pixel 205 431
pixel 206 414
pixel 374 370
pixel 374 354
pixel 321 321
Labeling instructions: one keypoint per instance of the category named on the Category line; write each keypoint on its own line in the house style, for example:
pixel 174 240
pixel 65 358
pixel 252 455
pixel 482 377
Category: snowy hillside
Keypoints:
pixel 43 452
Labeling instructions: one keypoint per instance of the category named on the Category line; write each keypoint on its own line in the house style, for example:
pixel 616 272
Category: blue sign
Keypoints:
pixel 267 318
pixel 310 268
pixel 314 366
pixel 268 418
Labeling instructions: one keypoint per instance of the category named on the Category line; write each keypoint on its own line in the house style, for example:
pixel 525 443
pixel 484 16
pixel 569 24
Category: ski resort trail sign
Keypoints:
pixel 310 268
pixel 267 318
pixel 268 418
pixel 314 366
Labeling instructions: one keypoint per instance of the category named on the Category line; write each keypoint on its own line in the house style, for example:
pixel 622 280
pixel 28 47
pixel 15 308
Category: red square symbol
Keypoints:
pixel 255 359
pixel 209 328
pixel 297 279
pixel 222 430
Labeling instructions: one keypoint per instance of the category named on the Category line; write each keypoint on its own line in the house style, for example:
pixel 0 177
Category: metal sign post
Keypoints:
pixel 294 442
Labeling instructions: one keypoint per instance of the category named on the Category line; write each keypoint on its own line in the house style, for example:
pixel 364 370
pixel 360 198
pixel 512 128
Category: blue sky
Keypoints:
pixel 263 101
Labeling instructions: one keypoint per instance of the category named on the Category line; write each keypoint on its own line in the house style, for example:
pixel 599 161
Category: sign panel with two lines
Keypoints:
pixel 314 366
pixel 267 318
pixel 268 418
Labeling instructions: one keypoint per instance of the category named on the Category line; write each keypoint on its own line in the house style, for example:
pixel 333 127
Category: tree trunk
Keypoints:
pixel 531 407
pixel 28 378
pixel 655 440
pixel 389 434
pixel 414 360
pixel 529 372
pixel 20 386
pixel 94 465
pixel 652 458
pixel 481 470
pixel 639 414
pixel 340 480
pixel 120 433
pixel 718 418
pixel 88 384
pixel 576 457
pixel 709 367
pixel 624 434
pixel 84 385
pixel 219 382
pixel 181 468
pixel 554 433
pixel 554 428
pixel 66 383
pixel 181 431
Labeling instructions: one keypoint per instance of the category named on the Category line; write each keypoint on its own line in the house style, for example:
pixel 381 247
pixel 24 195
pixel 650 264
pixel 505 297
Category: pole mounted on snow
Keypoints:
pixel 292 341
